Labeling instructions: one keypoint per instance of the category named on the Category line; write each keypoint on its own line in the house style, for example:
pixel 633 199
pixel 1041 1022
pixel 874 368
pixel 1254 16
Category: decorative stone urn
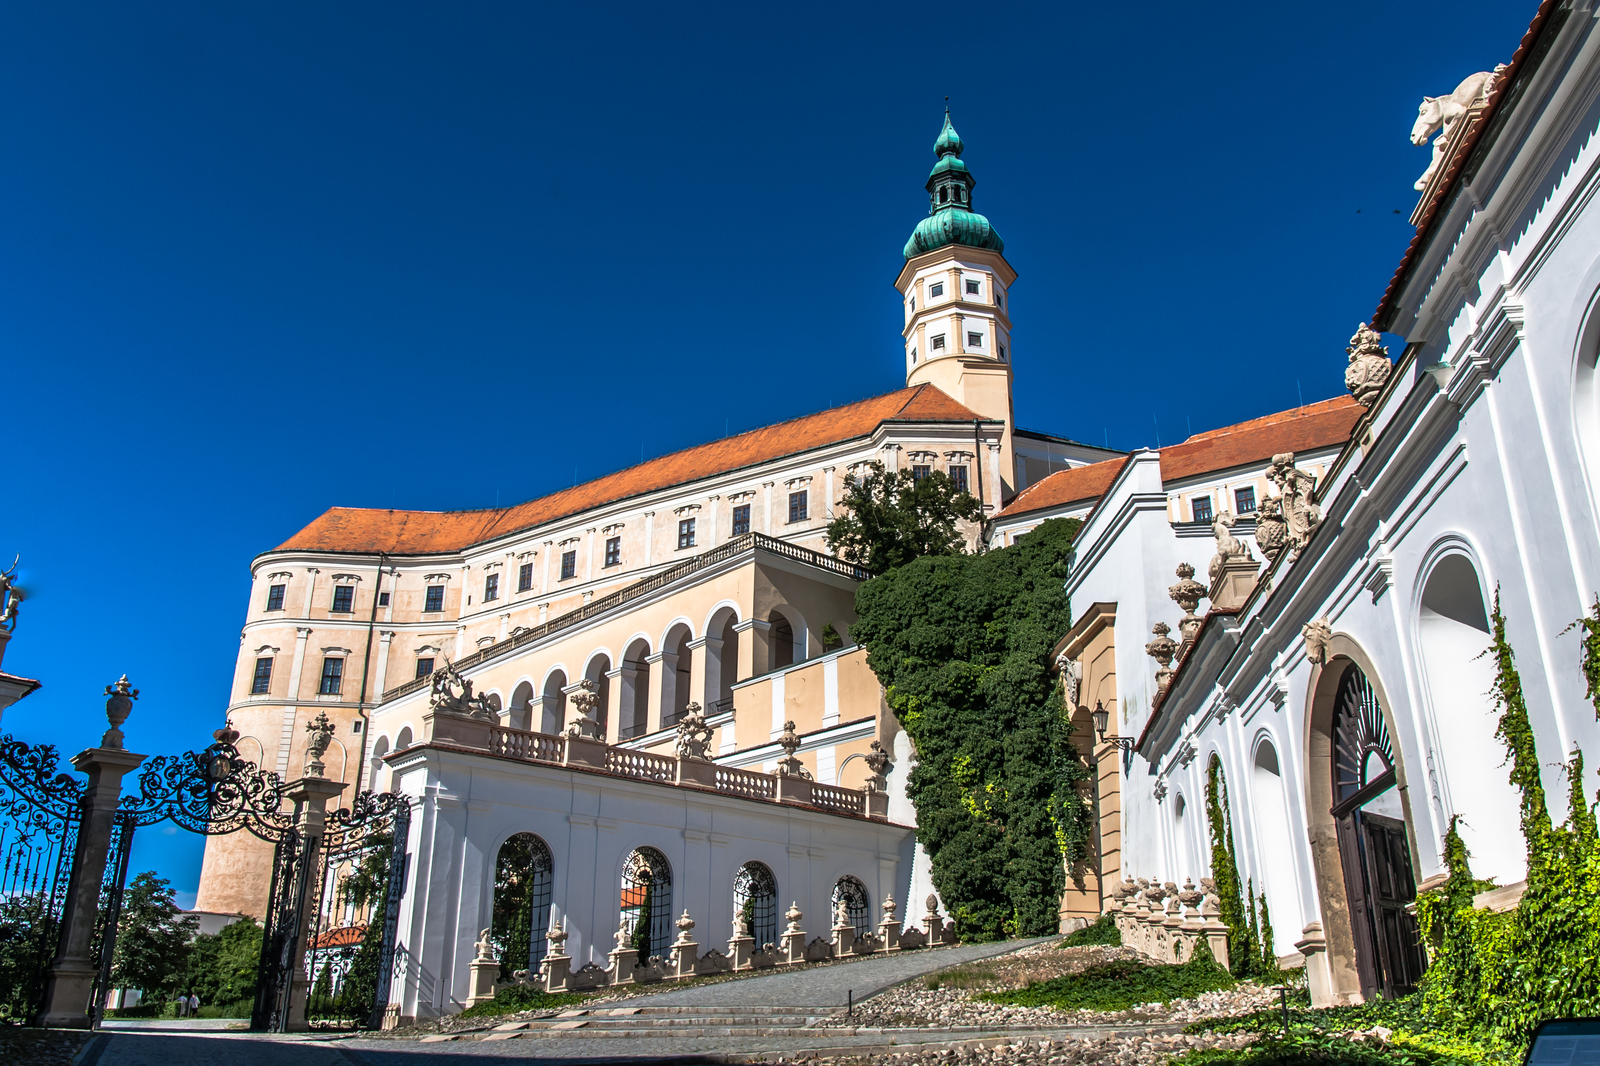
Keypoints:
pixel 1187 594
pixel 1162 649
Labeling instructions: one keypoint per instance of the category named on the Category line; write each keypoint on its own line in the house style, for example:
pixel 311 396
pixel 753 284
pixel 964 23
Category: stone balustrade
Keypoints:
pixel 1165 923
pixel 471 732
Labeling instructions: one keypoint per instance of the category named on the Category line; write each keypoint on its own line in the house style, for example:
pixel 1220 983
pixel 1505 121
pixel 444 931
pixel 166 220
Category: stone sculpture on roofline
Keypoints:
pixel 1369 367
pixel 694 735
pixel 583 724
pixel 1440 114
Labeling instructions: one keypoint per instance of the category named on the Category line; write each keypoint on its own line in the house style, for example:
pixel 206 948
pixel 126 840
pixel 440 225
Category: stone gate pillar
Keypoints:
pixel 310 796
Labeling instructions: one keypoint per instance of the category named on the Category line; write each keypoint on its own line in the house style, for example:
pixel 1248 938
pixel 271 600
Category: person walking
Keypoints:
pixel 183 1005
pixel 194 1005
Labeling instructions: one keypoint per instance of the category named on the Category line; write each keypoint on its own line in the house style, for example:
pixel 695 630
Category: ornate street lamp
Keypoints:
pixel 1102 718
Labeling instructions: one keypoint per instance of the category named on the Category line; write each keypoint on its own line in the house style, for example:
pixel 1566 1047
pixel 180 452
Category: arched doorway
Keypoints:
pixel 635 694
pixel 857 906
pixel 646 901
pixel 1373 840
pixel 1271 813
pixel 755 895
pixel 523 874
pixel 553 712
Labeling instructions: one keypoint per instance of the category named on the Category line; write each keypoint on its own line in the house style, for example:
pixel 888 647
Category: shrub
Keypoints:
pixel 516 998
pixel 1103 931
pixel 1118 985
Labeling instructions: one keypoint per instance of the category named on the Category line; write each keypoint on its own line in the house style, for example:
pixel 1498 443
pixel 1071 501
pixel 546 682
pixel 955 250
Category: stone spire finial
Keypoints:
pixel 119 704
pixel 321 731
pixel 1369 367
pixel 789 765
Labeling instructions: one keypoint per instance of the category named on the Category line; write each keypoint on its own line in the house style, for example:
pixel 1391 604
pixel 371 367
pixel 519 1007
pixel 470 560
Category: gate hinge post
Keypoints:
pixel 310 796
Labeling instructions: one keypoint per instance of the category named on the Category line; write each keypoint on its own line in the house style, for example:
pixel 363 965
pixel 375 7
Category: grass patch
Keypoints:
pixel 1313 1050
pixel 1415 1041
pixel 1103 933
pixel 520 998
pixel 1118 985
pixel 240 1009
pixel 972 975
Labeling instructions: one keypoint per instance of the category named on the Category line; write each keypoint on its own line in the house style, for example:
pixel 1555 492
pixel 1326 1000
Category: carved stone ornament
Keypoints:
pixel 448 691
pixel 684 924
pixel 1071 678
pixel 321 731
pixel 793 914
pixel 1187 594
pixel 623 934
pixel 841 914
pixel 583 723
pixel 694 736
pixel 485 948
pixel 119 704
pixel 556 935
pixel 1369 366
pixel 1162 649
pixel 1272 532
pixel 789 765
pixel 889 907
pixel 10 597
pixel 1229 547
pixel 1190 897
pixel 932 903
pixel 1160 792
pixel 1439 114
pixel 877 760
pixel 1300 515
pixel 1317 634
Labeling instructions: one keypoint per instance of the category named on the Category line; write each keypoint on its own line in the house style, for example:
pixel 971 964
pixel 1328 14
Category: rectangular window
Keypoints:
pixel 797 506
pixel 1002 353
pixel 999 297
pixel 936 289
pixel 332 676
pixel 344 598
pixel 525 577
pixel 913 303
pixel 491 587
pixel 275 598
pixel 974 340
pixel 920 472
pixel 424 667
pixel 686 533
pixel 973 288
pixel 613 551
pixel 938 341
pixel 741 519
pixel 1202 508
pixel 435 600
pixel 569 564
pixel 1244 500
pixel 261 684
pixel 383 599
pixel 958 478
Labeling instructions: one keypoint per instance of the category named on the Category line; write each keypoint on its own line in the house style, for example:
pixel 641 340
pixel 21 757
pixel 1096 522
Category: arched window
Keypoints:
pixel 646 901
pixel 403 741
pixel 523 874
pixel 522 716
pixel 379 750
pixel 755 896
pixel 1271 812
pixel 857 907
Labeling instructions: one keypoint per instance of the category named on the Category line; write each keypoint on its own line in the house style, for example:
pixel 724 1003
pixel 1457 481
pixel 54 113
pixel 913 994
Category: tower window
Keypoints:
pixel 741 519
pixel 613 551
pixel 913 355
pixel 332 676
pixel 973 287
pixel 1002 353
pixel 1202 508
pixel 913 303
pixel 525 577
pixel 435 599
pixel 938 340
pixel 275 598
pixel 958 478
pixel 383 599
pixel 343 598
pixel 920 472
pixel 1244 500
pixel 491 588
pixel 974 340
pixel 424 667
pixel 944 195
pixel 797 506
pixel 936 289
pixel 686 533
pixel 569 564
pixel 999 297
pixel 261 684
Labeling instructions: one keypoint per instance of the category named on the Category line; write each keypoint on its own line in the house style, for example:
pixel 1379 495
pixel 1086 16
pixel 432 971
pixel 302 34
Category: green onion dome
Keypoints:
pixel 950 217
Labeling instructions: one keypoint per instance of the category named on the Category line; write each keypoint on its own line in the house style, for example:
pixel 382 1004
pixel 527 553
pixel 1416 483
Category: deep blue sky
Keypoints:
pixel 256 260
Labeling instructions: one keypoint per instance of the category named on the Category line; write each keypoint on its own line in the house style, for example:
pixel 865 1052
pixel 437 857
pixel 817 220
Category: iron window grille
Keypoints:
pixel 525 577
pixel 741 519
pixel 569 564
pixel 919 472
pixel 332 676
pixel 344 599
pixel 1202 508
pixel 958 477
pixel 424 667
pixel 938 341
pixel 435 599
pixel 755 897
pixel 275 598
pixel 1244 500
pixel 613 551
pixel 854 894
pixel 798 506
pixel 491 588
pixel 524 873
pixel 261 684
pixel 686 533
pixel 646 899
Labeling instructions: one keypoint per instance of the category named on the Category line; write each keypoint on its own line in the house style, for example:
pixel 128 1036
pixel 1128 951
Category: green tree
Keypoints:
pixel 888 519
pixel 153 936
pixel 641 927
pixel 27 942
pixel 962 646
pixel 224 966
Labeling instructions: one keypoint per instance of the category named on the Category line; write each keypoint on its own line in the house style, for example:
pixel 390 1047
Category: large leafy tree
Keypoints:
pixel 962 645
pixel 153 938
pixel 224 966
pixel 888 519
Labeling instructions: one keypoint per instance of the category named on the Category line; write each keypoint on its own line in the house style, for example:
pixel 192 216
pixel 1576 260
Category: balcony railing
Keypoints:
pixel 621 597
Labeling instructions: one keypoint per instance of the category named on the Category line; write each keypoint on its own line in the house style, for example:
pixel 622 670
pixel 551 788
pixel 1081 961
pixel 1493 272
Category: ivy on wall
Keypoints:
pixel 1498 975
pixel 1250 951
pixel 962 646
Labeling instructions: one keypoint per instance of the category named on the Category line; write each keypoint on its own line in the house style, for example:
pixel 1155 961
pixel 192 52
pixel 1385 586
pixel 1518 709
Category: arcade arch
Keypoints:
pixel 553 702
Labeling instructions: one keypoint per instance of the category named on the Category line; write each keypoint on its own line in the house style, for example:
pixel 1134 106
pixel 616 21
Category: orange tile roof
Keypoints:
pixel 1318 425
pixel 1066 486
pixel 370 530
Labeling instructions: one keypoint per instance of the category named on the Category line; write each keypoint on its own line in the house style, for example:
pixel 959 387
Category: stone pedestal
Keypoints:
pixel 623 960
pixel 844 939
pixel 878 806
pixel 556 968
pixel 889 927
pixel 583 751
pixel 457 730
pixel 697 772
pixel 793 946
pixel 1216 933
pixel 1233 584
pixel 1319 975
pixel 485 971
pixel 70 980
pixel 794 789
pixel 685 951
pixel 740 948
